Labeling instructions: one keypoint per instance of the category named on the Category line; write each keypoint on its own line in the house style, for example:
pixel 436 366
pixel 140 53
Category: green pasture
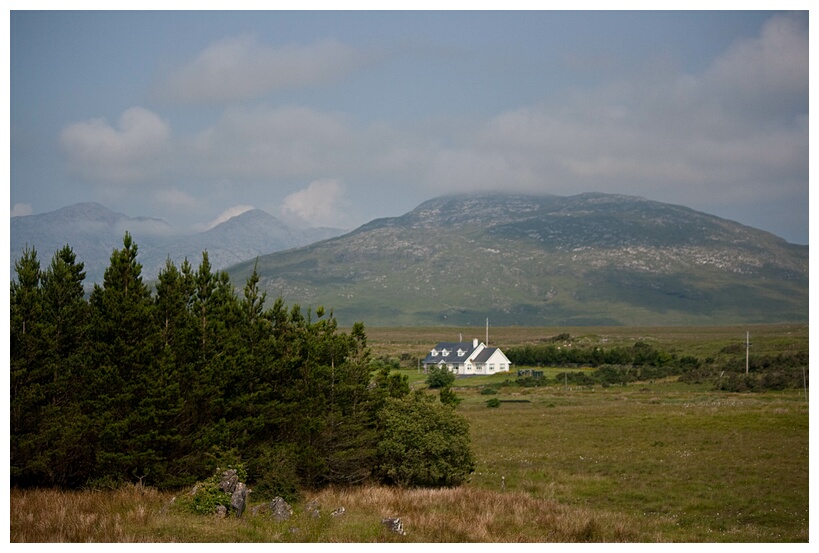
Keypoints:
pixel 685 462
pixel 689 464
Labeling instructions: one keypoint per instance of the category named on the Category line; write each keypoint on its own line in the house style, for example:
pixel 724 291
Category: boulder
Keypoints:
pixel 280 509
pixel 221 511
pixel 338 512
pixel 239 498
pixel 394 525
pixel 312 508
pixel 229 481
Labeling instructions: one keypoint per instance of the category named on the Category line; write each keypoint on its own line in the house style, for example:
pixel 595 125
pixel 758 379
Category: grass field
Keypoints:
pixel 647 462
pixel 697 341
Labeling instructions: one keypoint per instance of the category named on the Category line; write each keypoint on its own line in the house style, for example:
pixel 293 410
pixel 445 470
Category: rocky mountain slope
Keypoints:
pixel 545 260
pixel 94 231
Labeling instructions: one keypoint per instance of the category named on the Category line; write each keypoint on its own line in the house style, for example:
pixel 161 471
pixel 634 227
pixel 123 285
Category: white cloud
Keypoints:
pixel 764 75
pixel 271 143
pixel 239 68
pixel 129 152
pixel 20 210
pixel 176 199
pixel 228 214
pixel 735 132
pixel 321 204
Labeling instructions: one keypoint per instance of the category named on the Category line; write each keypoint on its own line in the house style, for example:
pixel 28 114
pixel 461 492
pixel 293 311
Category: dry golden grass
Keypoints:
pixel 122 516
pixel 466 514
pixel 462 514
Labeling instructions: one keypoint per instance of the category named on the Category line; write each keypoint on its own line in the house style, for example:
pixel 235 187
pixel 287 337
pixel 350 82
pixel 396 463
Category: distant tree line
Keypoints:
pixel 643 362
pixel 163 386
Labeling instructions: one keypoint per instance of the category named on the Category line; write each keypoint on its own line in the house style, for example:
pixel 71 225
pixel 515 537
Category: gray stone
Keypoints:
pixel 221 511
pixel 229 481
pixel 312 508
pixel 239 498
pixel 280 509
pixel 394 525
pixel 338 512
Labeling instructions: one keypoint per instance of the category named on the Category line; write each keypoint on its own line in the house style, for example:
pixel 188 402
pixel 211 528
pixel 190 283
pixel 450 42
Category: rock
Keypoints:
pixel 239 498
pixel 221 511
pixel 229 481
pixel 280 509
pixel 312 508
pixel 338 512
pixel 394 525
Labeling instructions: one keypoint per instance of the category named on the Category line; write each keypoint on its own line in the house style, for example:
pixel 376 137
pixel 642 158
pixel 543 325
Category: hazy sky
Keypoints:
pixel 337 118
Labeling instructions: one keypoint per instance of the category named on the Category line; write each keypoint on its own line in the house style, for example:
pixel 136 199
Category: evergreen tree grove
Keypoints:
pixel 162 385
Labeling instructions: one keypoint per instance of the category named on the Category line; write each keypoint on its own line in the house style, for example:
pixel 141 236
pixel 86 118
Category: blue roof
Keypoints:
pixel 452 349
pixel 485 355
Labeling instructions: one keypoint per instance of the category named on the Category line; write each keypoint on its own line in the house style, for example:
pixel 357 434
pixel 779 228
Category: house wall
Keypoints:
pixel 498 362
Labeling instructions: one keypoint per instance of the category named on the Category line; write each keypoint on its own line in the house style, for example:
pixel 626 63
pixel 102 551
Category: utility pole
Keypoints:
pixel 487 332
pixel 747 347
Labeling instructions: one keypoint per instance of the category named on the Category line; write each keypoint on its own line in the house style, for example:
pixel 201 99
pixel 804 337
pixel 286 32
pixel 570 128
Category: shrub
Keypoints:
pixel 423 443
pixel 440 377
pixel 488 391
pixel 448 397
pixel 206 496
pixel 493 402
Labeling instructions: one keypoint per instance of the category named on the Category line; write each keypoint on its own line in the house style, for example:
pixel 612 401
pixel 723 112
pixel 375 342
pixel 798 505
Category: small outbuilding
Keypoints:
pixel 467 358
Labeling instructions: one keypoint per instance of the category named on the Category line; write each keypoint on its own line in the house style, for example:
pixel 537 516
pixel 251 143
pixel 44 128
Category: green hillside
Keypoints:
pixel 591 259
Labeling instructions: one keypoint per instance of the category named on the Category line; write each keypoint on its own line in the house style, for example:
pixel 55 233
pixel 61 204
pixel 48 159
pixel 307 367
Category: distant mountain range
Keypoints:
pixel 590 259
pixel 94 231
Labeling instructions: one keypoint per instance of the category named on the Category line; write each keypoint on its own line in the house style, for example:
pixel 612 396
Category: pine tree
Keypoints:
pixel 28 374
pixel 171 376
pixel 65 429
pixel 123 351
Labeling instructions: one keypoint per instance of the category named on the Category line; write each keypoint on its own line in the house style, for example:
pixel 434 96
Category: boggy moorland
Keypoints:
pixel 660 460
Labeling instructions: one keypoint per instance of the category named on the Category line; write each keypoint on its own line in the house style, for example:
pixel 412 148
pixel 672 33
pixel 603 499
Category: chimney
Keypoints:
pixel 474 342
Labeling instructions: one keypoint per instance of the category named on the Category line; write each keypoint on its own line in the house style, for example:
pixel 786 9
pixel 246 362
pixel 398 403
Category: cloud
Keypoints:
pixel 176 199
pixel 21 210
pixel 321 204
pixel 228 214
pixel 735 132
pixel 765 75
pixel 239 68
pixel 97 151
pixel 282 142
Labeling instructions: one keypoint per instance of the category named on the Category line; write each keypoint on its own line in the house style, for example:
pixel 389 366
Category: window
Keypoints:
pixel 444 352
pixel 461 352
pixel 434 353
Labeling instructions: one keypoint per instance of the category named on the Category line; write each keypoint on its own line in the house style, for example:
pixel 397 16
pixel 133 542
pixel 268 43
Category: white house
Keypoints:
pixel 467 358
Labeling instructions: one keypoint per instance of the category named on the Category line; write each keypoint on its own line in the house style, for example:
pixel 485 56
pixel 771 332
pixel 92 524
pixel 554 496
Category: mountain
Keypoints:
pixel 590 259
pixel 94 231
pixel 243 237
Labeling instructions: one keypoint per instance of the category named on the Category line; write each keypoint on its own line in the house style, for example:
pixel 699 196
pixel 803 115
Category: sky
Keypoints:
pixel 335 118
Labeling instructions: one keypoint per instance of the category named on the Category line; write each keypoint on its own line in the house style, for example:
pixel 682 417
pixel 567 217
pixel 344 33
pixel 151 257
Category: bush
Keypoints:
pixel 207 495
pixel 488 391
pixel 440 377
pixel 494 402
pixel 423 443
pixel 448 397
